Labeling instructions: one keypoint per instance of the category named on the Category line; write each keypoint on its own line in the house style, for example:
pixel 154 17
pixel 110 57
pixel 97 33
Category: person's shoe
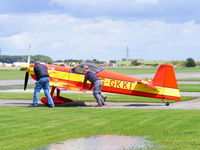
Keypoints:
pixel 103 104
pixel 49 106
pixel 33 105
pixel 104 98
pixel 98 105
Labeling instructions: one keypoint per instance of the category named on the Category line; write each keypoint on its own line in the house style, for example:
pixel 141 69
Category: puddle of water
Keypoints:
pixel 102 142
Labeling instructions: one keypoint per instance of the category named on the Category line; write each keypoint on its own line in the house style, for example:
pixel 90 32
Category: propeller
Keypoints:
pixel 26 80
pixel 27 73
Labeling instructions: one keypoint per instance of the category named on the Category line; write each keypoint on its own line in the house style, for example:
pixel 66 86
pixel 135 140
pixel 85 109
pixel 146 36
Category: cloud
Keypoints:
pixel 62 36
pixel 166 10
pixel 170 10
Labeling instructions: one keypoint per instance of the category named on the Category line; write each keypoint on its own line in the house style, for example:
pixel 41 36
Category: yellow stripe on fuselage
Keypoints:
pixel 139 87
pixel 111 83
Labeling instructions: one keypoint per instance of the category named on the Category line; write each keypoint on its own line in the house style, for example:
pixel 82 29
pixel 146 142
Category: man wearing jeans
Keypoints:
pixel 42 78
pixel 96 83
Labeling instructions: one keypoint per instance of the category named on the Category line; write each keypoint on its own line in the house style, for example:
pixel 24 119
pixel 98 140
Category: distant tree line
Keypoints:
pixel 11 59
pixel 189 62
pixel 80 61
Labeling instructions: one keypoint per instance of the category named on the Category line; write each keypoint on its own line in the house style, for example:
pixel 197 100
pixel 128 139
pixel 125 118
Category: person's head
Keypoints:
pixel 36 63
pixel 86 69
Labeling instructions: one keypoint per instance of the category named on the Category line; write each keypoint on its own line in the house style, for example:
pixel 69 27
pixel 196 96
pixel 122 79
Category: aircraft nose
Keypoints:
pixel 24 68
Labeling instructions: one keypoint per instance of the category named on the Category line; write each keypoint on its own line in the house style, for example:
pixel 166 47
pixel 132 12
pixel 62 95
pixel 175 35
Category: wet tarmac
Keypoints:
pixel 102 142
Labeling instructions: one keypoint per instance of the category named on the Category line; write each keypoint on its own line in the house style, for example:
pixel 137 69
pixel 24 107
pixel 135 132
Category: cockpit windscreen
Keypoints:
pixel 80 68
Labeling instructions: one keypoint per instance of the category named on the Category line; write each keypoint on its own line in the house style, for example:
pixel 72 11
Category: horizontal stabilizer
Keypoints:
pixel 148 84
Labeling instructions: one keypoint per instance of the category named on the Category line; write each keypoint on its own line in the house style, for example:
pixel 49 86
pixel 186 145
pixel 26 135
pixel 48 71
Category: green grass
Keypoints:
pixel 187 69
pixel 189 87
pixel 153 70
pixel 188 79
pixel 89 97
pixel 133 70
pixel 25 128
pixel 11 74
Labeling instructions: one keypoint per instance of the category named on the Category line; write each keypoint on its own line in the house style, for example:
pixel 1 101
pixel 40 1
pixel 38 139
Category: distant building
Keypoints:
pixel 1 64
pixel 19 64
pixel 60 64
pixel 7 65
pixel 72 64
pixel 42 63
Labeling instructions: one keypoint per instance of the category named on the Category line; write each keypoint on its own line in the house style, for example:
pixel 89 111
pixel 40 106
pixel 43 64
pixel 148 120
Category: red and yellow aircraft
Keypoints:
pixel 163 86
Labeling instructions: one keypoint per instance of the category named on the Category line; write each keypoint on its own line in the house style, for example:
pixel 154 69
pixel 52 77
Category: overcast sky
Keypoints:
pixel 101 29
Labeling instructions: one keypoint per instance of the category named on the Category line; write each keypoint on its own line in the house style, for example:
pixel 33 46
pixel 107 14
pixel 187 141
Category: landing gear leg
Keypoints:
pixel 166 103
pixel 57 99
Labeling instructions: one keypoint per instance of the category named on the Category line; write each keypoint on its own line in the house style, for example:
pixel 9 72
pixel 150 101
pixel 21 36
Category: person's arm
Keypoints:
pixel 36 73
pixel 85 81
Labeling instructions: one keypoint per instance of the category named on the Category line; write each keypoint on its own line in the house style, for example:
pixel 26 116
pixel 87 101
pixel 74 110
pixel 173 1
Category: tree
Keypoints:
pixel 11 59
pixel 113 61
pixel 42 58
pixel 190 62
pixel 135 63
pixel 58 61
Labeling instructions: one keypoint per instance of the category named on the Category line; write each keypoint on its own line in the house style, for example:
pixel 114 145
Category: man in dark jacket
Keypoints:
pixel 42 77
pixel 96 83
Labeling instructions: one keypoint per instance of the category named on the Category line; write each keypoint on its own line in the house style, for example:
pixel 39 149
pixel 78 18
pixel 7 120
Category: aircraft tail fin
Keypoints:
pixel 166 79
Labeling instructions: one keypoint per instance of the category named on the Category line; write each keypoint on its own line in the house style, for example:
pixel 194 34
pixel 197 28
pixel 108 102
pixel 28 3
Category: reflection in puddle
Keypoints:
pixel 102 142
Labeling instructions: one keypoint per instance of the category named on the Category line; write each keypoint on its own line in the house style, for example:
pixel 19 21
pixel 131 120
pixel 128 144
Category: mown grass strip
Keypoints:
pixel 89 97
pixel 11 74
pixel 29 128
pixel 189 87
pixel 149 70
pixel 188 79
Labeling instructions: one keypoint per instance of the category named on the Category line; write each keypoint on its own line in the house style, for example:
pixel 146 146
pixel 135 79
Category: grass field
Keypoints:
pixel 189 87
pixel 89 97
pixel 149 70
pixel 11 74
pixel 25 128
pixel 188 79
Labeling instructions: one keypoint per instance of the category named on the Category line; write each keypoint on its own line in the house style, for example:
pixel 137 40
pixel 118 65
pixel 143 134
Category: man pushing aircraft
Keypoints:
pixel 96 83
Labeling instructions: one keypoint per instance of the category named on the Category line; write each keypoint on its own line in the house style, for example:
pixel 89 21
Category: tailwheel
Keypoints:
pixel 166 103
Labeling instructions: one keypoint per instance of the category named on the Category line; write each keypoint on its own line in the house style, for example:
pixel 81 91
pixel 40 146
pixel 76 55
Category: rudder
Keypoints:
pixel 165 78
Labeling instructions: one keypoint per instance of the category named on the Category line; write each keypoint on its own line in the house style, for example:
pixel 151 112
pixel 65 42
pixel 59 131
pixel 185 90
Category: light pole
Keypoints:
pixel 127 53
